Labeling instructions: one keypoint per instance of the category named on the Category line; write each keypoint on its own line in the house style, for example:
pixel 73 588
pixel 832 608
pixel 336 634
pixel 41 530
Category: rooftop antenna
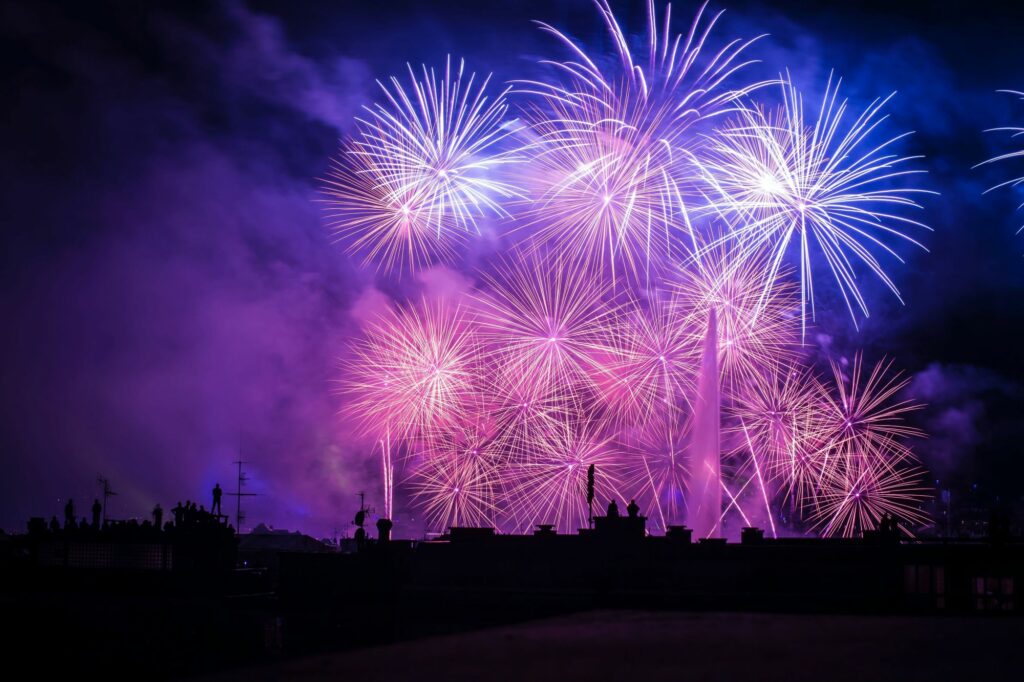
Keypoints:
pixel 107 492
pixel 238 495
pixel 363 509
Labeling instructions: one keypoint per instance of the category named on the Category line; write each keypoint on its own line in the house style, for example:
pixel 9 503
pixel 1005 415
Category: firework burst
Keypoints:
pixel 786 183
pixel 548 484
pixel 853 501
pixel 754 331
pixel 656 468
pixel 867 469
pixel 649 371
pixel 457 479
pixel 864 419
pixel 607 169
pixel 422 169
pixel 778 411
pixel 414 370
pixel 649 321
pixel 543 317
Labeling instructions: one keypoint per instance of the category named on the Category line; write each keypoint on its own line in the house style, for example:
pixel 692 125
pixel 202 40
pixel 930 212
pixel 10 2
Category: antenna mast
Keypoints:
pixel 107 492
pixel 238 495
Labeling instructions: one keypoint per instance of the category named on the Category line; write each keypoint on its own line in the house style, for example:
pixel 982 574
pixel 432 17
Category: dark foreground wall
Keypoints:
pixel 152 624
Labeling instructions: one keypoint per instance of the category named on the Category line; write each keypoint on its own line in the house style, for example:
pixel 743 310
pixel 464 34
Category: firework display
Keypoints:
pixel 662 236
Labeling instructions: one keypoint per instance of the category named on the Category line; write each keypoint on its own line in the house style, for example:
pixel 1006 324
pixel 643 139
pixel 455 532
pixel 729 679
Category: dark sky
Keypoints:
pixel 172 301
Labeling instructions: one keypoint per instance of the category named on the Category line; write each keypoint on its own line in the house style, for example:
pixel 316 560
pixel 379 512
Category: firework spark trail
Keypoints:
pixel 607 164
pixel 760 480
pixel 387 474
pixel 1015 132
pixel 422 170
pixel 733 504
pixel 783 180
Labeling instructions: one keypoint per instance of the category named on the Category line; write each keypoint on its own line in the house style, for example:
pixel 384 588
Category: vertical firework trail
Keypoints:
pixel 705 487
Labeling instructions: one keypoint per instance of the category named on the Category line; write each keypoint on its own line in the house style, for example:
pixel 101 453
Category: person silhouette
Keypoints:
pixel 217 492
pixel 178 511
pixel 97 509
pixel 384 530
pixel 613 510
pixel 158 516
pixel 633 509
pixel 69 514
pixel 54 524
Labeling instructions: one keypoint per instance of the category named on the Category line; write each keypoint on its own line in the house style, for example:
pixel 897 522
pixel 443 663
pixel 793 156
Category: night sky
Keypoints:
pixel 172 300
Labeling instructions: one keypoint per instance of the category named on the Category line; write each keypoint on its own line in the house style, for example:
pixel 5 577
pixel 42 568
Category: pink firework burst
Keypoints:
pixel 414 369
pixel 655 468
pixel 754 331
pixel 853 500
pixel 544 317
pixel 650 368
pixel 457 480
pixel 865 420
pixel 548 483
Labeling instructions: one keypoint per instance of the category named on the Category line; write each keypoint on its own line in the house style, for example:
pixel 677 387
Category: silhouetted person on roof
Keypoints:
pixel 217 492
pixel 69 514
pixel 97 509
pixel 384 530
pixel 158 516
pixel 54 524
pixel 178 511
pixel 633 509
pixel 613 510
